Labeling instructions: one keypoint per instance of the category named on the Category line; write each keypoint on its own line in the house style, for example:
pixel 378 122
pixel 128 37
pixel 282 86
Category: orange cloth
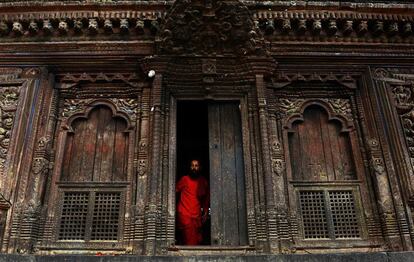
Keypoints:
pixel 194 195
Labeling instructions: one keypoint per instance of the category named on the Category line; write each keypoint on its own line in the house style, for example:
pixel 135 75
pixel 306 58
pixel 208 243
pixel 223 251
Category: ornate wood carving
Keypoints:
pixel 9 97
pixel 338 106
pixel 192 27
pixel 78 106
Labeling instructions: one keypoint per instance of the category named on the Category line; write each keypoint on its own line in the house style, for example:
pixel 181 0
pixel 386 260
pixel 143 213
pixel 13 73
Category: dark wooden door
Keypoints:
pixel 227 189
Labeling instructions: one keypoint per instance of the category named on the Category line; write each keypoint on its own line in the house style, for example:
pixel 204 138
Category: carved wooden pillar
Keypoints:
pixel 270 211
pixel 152 205
pixel 142 170
pixel 394 100
pixel 20 124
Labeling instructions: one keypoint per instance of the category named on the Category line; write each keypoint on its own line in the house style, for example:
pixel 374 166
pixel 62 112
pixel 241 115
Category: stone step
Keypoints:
pixel 336 257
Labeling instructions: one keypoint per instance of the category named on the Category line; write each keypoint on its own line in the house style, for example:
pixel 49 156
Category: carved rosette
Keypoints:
pixel 194 27
pixel 9 97
pixel 339 106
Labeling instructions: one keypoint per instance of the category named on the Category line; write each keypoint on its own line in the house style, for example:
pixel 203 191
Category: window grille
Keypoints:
pixel 344 216
pixel 329 214
pixel 74 214
pixel 90 215
pixel 106 216
pixel 314 215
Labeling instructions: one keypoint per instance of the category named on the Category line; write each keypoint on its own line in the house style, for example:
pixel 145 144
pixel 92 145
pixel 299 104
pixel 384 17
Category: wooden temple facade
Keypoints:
pixel 302 113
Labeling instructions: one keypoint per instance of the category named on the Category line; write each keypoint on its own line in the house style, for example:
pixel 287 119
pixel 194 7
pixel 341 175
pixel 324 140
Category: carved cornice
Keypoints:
pixel 141 21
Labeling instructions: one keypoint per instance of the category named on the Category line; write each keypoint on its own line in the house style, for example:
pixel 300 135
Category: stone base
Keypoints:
pixel 347 257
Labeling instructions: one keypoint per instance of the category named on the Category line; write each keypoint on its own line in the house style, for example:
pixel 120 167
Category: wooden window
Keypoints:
pixel 90 215
pixel 319 149
pixel 329 214
pixel 97 149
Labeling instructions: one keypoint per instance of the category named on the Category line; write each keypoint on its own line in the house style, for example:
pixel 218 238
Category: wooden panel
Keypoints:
pixel 120 152
pixel 319 151
pixel 97 150
pixel 89 148
pixel 228 205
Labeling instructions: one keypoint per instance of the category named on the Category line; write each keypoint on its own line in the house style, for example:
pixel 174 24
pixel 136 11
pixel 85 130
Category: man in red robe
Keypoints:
pixel 192 205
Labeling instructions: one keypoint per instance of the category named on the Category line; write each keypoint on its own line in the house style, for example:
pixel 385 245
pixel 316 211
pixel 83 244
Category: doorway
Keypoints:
pixel 210 131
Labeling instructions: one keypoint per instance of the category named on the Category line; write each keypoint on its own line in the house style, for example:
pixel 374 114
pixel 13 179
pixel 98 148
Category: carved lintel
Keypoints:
pixel 339 106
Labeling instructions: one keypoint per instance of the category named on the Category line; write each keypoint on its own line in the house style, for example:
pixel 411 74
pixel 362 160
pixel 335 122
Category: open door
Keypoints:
pixel 227 188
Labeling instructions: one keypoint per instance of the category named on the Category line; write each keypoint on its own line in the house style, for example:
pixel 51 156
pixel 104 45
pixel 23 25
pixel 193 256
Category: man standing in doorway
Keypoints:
pixel 192 205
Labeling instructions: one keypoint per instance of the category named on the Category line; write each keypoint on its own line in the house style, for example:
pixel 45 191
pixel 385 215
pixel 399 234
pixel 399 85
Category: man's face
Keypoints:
pixel 195 166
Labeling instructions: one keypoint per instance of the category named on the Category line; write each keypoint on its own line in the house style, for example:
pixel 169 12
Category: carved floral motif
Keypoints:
pixel 128 106
pixel 72 106
pixel 9 97
pixel 340 106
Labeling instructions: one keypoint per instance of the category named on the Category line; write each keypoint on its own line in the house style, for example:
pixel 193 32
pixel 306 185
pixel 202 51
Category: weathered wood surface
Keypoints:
pixel 228 203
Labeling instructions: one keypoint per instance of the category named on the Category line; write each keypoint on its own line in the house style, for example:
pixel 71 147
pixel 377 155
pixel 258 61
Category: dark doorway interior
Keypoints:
pixel 192 143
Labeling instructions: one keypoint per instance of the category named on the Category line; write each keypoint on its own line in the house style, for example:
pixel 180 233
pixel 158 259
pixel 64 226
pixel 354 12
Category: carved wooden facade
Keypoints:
pixel 88 139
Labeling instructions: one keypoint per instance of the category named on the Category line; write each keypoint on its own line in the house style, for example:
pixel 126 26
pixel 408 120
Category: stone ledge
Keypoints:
pixel 337 257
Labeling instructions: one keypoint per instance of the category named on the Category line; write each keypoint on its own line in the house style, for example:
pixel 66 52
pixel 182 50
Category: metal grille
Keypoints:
pixel 344 216
pixel 106 216
pixel 74 214
pixel 312 205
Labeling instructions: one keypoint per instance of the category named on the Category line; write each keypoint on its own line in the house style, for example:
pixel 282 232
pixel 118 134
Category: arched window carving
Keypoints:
pixel 97 149
pixel 319 149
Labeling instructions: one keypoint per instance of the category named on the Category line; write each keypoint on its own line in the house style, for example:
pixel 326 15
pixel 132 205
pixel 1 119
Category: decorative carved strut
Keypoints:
pixel 223 27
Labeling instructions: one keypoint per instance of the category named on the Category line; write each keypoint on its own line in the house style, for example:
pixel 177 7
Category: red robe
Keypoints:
pixel 194 196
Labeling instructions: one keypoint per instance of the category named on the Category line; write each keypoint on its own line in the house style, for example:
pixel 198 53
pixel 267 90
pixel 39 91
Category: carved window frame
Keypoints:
pixel 319 93
pixel 81 110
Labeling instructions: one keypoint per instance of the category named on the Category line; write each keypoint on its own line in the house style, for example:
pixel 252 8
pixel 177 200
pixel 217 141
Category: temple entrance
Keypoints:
pixel 211 132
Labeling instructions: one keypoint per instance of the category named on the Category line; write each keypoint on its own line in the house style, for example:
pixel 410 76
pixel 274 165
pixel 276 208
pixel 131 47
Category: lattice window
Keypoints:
pixel 106 216
pixel 329 214
pixel 313 214
pixel 90 216
pixel 74 214
pixel 344 216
